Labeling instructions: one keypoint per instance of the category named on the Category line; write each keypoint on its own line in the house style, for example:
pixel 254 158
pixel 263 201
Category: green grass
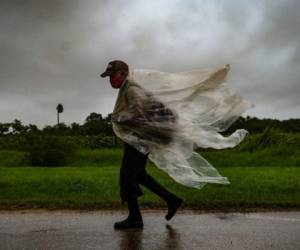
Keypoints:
pixel 97 187
pixel 97 157
pixel 270 157
pixel 263 174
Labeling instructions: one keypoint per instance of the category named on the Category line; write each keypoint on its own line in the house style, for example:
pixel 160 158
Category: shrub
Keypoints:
pixel 12 142
pixel 47 150
pixel 269 138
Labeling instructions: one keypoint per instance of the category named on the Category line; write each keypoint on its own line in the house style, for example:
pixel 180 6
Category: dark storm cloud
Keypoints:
pixel 54 51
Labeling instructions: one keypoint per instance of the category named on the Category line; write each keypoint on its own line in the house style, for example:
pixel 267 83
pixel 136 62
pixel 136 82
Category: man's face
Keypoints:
pixel 117 79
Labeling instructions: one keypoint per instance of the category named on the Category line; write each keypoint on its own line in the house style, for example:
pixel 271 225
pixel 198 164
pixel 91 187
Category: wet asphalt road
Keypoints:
pixel 40 229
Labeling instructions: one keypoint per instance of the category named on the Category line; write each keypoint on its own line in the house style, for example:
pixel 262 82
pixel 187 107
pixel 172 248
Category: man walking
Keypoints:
pixel 133 172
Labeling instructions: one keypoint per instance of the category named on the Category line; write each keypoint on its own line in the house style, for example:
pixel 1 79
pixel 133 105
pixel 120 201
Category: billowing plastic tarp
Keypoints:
pixel 169 115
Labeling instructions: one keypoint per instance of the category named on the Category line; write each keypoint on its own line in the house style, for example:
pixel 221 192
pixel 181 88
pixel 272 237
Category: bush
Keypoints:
pixel 269 138
pixel 47 150
pixel 13 158
pixel 12 142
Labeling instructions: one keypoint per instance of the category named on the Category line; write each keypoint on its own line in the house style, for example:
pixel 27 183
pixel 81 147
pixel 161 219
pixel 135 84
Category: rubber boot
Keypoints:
pixel 134 219
pixel 173 202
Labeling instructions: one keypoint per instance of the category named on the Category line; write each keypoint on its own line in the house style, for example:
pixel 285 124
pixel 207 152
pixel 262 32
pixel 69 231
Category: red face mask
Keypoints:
pixel 117 80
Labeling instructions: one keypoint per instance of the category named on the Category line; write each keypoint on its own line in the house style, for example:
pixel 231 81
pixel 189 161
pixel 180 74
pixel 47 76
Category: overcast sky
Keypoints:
pixel 52 51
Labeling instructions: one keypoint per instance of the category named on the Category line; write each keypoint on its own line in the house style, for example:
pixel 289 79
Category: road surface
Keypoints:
pixel 42 229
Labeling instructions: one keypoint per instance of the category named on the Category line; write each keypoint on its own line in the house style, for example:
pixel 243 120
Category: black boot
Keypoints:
pixel 134 219
pixel 173 202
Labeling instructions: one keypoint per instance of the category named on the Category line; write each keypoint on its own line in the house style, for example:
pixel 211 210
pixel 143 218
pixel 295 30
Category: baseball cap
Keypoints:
pixel 114 66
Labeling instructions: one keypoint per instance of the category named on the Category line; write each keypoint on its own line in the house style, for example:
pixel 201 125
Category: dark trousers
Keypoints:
pixel 133 172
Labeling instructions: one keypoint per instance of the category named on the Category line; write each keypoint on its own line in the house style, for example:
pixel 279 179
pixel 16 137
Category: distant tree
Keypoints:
pixel 95 125
pixel 4 128
pixel 94 117
pixel 62 129
pixel 75 128
pixel 58 129
pixel 108 118
pixel 32 128
pixel 59 109
pixel 48 130
pixel 256 125
pixel 17 127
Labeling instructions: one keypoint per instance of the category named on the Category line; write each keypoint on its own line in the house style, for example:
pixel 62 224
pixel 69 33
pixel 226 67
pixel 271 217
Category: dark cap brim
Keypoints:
pixel 106 73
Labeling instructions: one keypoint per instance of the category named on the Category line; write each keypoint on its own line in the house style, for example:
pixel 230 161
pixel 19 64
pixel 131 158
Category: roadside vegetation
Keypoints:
pixel 58 167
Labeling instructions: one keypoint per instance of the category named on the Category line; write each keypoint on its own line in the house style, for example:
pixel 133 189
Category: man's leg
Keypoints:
pixel 173 202
pixel 133 162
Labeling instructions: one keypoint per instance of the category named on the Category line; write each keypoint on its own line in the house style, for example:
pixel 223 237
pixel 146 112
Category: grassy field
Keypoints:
pixel 264 171
pixel 270 157
pixel 88 187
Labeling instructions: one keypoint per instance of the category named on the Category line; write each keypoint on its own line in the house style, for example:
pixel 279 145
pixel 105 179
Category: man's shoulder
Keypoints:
pixel 132 83
pixel 133 88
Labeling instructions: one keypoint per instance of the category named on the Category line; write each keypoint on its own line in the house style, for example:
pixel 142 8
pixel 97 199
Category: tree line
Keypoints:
pixel 256 125
pixel 96 124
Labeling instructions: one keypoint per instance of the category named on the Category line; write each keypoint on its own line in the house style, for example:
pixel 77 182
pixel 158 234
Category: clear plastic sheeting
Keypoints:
pixel 169 115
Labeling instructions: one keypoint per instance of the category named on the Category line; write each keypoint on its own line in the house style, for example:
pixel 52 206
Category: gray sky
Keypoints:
pixel 52 51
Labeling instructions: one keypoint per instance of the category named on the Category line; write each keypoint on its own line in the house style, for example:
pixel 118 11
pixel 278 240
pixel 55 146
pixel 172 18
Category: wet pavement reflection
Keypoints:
pixel 35 229
pixel 132 239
